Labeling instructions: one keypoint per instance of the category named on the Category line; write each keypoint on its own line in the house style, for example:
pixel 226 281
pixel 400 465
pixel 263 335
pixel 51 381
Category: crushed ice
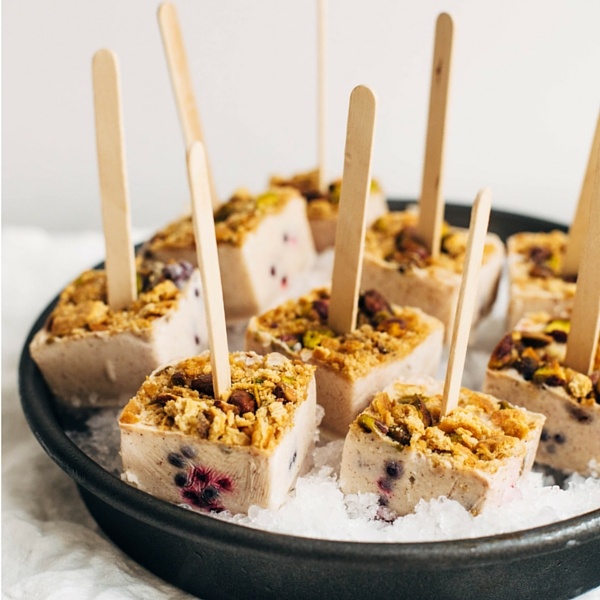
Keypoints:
pixel 317 508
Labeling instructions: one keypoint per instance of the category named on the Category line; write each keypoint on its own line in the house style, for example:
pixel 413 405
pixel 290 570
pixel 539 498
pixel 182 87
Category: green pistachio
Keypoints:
pixel 552 375
pixel 371 424
pixel 312 338
pixel 558 329
pixel 335 191
pixel 267 201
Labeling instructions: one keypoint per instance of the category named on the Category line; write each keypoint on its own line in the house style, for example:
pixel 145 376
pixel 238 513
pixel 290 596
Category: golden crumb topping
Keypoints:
pixel 177 235
pixel 240 215
pixel 479 433
pixel 83 308
pixel 256 411
pixel 536 259
pixel 393 238
pixel 321 205
pixel 383 333
pixel 537 349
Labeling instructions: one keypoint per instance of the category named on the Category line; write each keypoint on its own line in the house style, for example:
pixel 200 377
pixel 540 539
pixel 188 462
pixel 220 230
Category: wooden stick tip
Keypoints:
pixel 445 20
pixel 165 9
pixel 365 91
pixel 104 55
pixel 484 195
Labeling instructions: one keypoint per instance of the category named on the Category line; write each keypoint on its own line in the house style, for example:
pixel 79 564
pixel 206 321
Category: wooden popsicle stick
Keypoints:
pixel 351 225
pixel 322 94
pixel 579 224
pixel 181 81
pixel 208 263
pixel 121 277
pixel 585 318
pixel 431 204
pixel 480 217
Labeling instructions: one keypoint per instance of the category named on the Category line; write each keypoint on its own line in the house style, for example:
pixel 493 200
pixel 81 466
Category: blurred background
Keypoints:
pixel 524 99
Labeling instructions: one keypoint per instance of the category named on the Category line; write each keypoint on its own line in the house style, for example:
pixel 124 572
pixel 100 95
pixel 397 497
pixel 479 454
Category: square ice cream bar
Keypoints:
pixel 535 283
pixel 264 245
pixel 91 355
pixel 526 366
pixel 398 264
pixel 402 450
pixel 389 342
pixel 180 444
pixel 322 208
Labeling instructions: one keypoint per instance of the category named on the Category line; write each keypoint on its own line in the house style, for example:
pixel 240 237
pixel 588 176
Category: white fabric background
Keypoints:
pixel 51 547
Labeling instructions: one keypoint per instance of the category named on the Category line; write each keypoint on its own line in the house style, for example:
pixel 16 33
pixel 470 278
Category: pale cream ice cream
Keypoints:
pixel 323 207
pixel 389 342
pixel 401 449
pixel 264 246
pixel 535 282
pixel 181 444
pixel 91 355
pixel 526 366
pixel 399 265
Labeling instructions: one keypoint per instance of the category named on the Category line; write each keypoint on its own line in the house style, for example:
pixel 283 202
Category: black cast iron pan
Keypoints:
pixel 216 559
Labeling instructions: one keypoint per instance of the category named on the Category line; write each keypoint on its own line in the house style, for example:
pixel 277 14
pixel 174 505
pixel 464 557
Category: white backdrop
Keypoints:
pixel 525 96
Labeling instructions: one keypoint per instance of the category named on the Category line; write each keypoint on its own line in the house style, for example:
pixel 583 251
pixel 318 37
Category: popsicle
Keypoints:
pixel 357 342
pixel 264 244
pixel 218 431
pixel 553 365
pixel 542 267
pixel 264 240
pixel 412 257
pixel 112 327
pixel 422 440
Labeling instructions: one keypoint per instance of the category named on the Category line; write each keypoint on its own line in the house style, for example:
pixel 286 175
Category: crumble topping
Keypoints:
pixel 393 239
pixel 478 434
pixel 256 411
pixel 536 350
pixel 384 332
pixel 320 205
pixel 537 258
pixel 83 305
pixel 240 215
pixel 176 235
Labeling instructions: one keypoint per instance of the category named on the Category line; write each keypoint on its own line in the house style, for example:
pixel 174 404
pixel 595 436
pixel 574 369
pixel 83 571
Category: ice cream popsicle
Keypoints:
pixel 542 267
pixel 425 440
pixel 183 444
pixel 553 365
pixel 528 367
pixel 389 342
pixel 264 244
pixel 403 450
pixel 218 431
pixel 358 342
pixel 264 240
pixel 413 257
pixel 92 355
pixel 111 328
pixel 399 265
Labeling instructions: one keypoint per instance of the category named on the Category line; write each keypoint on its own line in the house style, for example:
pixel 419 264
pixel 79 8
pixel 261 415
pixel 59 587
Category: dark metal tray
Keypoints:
pixel 216 559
